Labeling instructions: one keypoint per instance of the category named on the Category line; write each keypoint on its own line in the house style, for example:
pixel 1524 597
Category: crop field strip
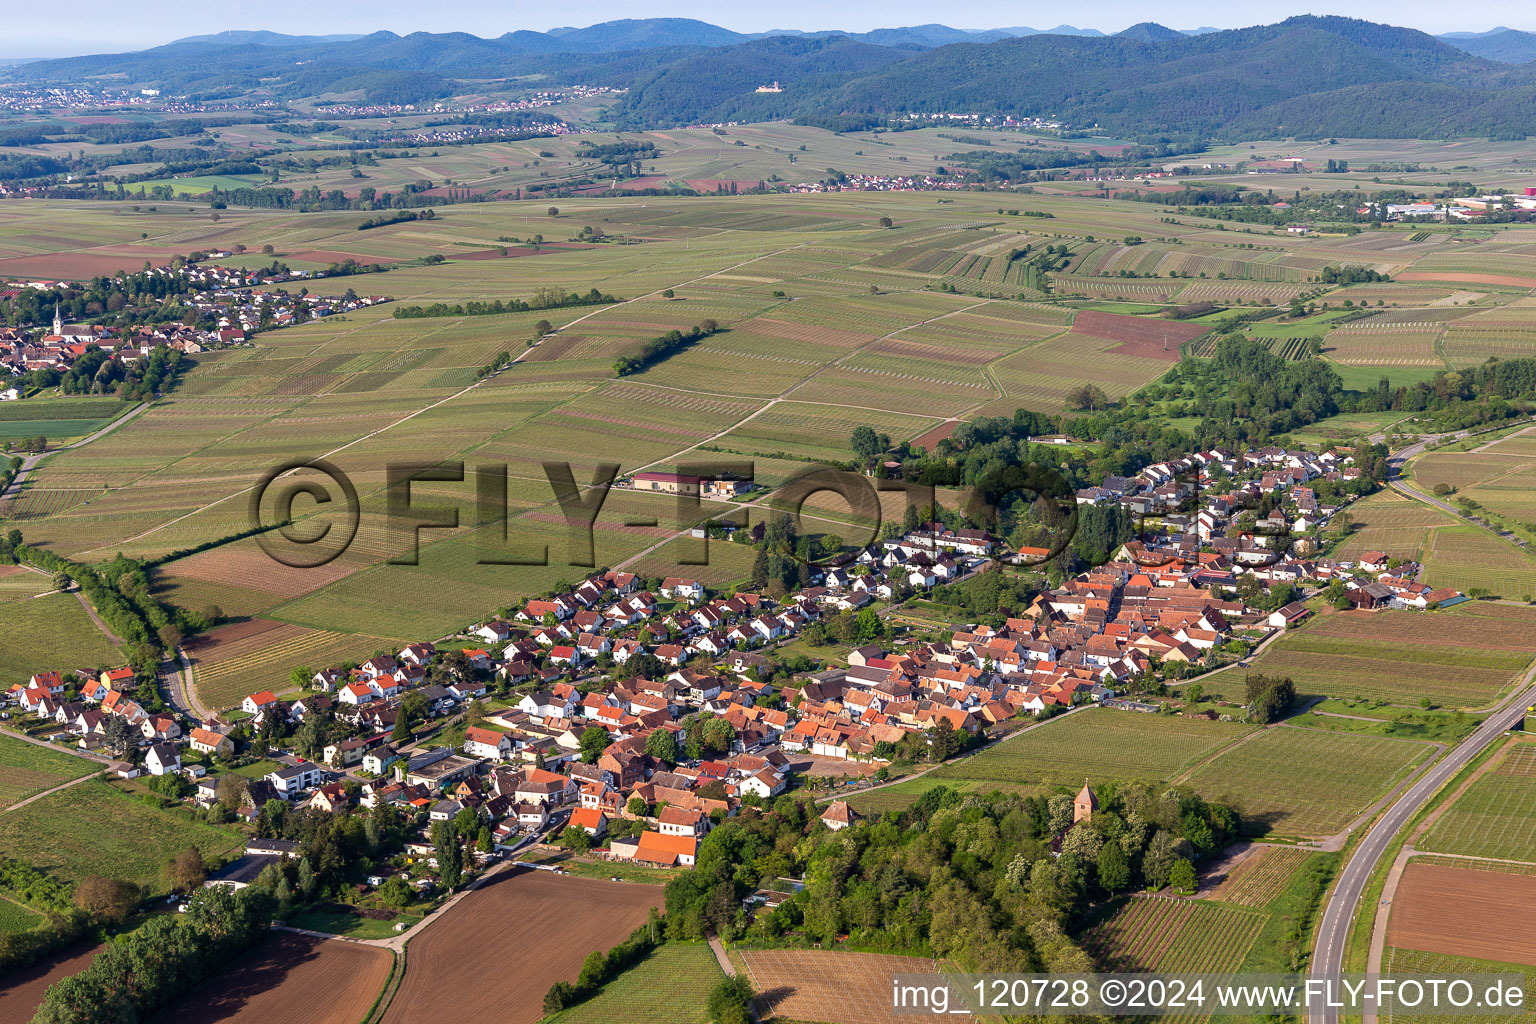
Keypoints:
pixel 22 584
pixel 27 769
pixel 1307 782
pixel 1098 743
pixel 1384 345
pixel 1496 816
pixel 1391 522
pixel 226 673
pixel 346 378
pixel 292 977
pixel 45 633
pixel 1462 657
pixel 832 986
pixel 1261 876
pixel 1420 962
pixel 1188 936
pixel 1464 911
pixel 566 916
pixel 1469 557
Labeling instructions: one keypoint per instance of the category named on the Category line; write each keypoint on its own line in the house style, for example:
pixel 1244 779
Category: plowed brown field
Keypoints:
pixel 22 994
pixel 832 986
pixel 1138 335
pixel 1485 915
pixel 291 979
pixel 494 954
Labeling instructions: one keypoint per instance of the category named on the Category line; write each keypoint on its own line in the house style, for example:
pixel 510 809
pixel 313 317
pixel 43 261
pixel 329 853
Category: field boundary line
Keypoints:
pixel 49 792
pixel 1185 775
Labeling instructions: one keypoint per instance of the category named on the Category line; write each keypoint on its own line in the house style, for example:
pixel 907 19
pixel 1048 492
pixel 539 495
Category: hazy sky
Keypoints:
pixel 96 27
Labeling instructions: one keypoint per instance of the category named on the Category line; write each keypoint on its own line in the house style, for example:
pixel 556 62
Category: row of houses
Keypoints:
pixel 236 313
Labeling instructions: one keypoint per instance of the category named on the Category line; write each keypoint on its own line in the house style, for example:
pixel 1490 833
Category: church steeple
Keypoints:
pixel 58 321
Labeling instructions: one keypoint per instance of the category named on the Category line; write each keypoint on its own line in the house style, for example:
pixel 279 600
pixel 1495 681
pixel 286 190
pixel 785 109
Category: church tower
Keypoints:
pixel 58 321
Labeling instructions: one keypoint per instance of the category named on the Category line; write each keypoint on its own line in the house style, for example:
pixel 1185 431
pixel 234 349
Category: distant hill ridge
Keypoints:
pixel 1305 76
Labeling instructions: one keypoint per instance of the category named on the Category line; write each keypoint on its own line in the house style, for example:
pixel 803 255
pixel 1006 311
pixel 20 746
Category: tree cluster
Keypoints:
pixel 657 349
pixel 151 967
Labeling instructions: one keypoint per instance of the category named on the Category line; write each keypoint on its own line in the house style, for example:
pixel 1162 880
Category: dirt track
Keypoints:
pixel 1462 912
pixel 291 978
pixel 498 951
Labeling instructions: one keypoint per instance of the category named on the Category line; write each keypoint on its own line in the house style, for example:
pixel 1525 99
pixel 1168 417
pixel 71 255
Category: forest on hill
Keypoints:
pixel 1305 76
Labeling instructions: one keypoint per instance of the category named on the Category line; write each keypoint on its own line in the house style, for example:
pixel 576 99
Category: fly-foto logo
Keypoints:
pixel 307 513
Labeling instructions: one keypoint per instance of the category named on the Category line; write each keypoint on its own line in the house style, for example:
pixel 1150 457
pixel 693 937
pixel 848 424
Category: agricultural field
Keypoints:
pixel 1470 558
pixel 1463 470
pixel 671 986
pixel 23 991
pixel 564 916
pixel 257 654
pixel 1464 911
pixel 63 833
pixel 1307 782
pixel 50 633
pixel 291 977
pixel 60 420
pixel 1496 816
pixel 1261 875
pixel 829 321
pixel 1420 962
pixel 1160 933
pixel 27 769
pixel 16 918
pixel 1096 744
pixel 831 986
pixel 1460 657
pixel 20 584
pixel 1391 522
pixel 1366 344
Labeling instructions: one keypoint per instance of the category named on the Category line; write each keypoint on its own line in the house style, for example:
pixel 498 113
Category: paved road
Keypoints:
pixel 180 687
pixel 1343 905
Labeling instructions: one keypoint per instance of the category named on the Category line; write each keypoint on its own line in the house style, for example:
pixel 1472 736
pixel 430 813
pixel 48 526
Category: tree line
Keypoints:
pixel 657 349
pixel 544 298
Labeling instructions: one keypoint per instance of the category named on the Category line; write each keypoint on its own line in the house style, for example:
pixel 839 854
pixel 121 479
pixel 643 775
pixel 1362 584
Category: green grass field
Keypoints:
pixel 26 769
pixel 16 918
pixel 95 829
pixel 1306 782
pixel 671 986
pixel 50 633
pixel 1496 816
pixel 1095 744
pixel 338 922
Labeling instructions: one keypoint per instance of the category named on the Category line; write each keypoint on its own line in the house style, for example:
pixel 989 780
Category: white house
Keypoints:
pixel 162 759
